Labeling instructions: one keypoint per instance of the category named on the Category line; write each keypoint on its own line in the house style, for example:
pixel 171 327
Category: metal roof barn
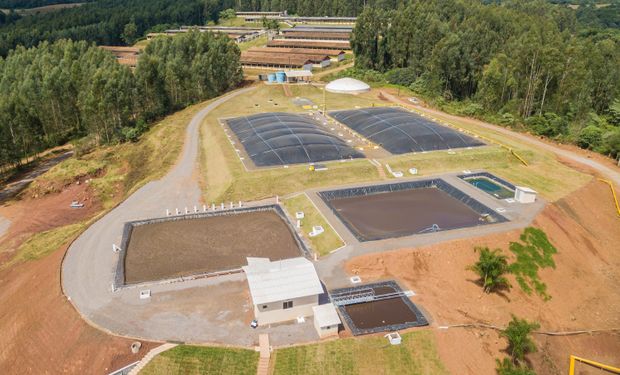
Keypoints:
pixel 293 43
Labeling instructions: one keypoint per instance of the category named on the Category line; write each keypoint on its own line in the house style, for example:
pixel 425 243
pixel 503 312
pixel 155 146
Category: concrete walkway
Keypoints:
pixel 149 356
pixel 5 224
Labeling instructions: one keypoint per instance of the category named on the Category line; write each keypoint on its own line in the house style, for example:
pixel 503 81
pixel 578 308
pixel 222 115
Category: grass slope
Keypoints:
pixel 116 172
pixel 369 355
pixel 188 360
pixel 323 243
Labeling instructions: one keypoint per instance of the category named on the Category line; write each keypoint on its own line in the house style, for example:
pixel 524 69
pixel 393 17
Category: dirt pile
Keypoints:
pixel 34 215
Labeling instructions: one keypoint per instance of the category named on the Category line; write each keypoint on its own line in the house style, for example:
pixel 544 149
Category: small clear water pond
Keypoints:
pixel 491 187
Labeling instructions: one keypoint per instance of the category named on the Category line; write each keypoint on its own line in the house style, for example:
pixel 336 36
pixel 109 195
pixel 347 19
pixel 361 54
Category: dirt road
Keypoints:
pixel 89 266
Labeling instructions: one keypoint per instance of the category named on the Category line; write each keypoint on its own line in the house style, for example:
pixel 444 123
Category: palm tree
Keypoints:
pixel 491 267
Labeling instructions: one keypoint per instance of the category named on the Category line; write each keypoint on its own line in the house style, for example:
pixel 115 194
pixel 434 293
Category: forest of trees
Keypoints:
pixel 26 4
pixel 102 22
pixel 527 62
pixel 65 90
pixel 311 8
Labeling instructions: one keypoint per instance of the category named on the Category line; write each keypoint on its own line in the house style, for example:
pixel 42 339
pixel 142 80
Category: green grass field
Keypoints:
pixel 190 360
pixel 367 355
pixel 326 241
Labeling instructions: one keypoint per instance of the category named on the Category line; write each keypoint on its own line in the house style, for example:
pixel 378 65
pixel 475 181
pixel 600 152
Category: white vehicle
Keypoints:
pixel 76 204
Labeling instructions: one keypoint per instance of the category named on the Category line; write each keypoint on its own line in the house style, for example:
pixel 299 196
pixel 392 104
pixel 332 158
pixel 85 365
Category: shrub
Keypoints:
pixel 491 268
pixel 506 367
pixel 549 124
pixel 533 253
pixel 401 76
pixel 507 119
pixel 590 137
pixel 518 334
pixel 227 14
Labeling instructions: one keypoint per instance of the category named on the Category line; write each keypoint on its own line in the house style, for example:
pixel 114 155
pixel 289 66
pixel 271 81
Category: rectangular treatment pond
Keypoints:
pixel 377 307
pixel 204 243
pixel 490 184
pixel 401 209
pixel 400 131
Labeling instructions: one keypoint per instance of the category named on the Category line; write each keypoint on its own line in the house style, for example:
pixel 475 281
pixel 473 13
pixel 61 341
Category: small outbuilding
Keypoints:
pixel 297 76
pixel 347 86
pixel 326 320
pixel 282 290
pixel 525 194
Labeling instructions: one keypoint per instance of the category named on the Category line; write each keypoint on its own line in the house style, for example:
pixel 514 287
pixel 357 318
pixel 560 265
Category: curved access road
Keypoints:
pixel 609 172
pixel 89 266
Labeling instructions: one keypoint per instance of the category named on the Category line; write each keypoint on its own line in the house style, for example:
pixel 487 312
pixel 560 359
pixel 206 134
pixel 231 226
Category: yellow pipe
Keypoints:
pixel 613 192
pixel 571 369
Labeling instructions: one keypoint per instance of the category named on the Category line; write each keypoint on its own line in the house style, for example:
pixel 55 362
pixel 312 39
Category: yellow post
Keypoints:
pixel 324 101
pixel 571 366
pixel 613 193
pixel 573 359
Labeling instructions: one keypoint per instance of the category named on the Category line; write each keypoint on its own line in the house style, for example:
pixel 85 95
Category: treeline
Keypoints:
pixel 311 8
pixel 27 4
pixel 102 22
pixel 518 62
pixel 60 91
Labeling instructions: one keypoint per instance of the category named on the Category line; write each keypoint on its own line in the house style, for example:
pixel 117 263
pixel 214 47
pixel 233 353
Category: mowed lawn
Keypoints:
pixel 326 241
pixel 189 360
pixel 365 355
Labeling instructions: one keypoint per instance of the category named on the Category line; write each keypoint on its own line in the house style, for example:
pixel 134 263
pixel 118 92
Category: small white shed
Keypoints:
pixel 525 194
pixel 282 290
pixel 326 320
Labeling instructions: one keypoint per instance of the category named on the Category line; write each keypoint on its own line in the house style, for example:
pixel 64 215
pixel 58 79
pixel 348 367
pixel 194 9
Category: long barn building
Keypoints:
pixel 283 61
pixel 316 35
pixel 295 43
pixel 334 54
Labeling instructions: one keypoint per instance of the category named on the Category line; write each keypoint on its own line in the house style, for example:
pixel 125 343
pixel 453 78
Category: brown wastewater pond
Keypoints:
pixel 175 248
pixel 390 310
pixel 405 212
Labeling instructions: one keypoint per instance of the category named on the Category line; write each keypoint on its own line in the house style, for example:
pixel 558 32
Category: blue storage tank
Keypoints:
pixel 271 78
pixel 280 77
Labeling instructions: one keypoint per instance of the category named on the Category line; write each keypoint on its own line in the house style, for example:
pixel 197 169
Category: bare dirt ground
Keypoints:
pixel 34 215
pixel 218 243
pixel 585 288
pixel 48 336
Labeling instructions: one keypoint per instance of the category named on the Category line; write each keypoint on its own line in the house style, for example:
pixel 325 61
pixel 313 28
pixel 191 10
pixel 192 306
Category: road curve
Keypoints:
pixel 89 265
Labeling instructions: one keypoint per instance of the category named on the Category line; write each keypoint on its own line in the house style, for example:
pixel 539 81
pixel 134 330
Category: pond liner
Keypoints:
pixel 330 195
pixel 119 274
pixel 490 176
pixel 421 320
